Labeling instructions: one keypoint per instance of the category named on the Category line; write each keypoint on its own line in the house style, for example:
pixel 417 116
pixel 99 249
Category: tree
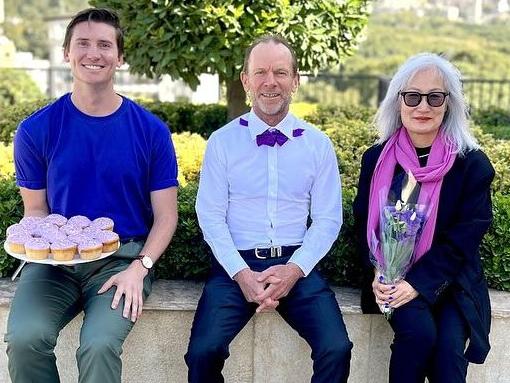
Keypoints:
pixel 25 25
pixel 16 86
pixel 185 39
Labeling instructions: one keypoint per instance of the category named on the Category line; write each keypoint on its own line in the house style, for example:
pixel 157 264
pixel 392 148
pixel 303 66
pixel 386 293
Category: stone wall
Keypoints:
pixel 266 351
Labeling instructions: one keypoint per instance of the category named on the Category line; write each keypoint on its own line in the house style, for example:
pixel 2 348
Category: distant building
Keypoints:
pixel 37 69
pixel 7 48
pixel 7 51
pixel 503 6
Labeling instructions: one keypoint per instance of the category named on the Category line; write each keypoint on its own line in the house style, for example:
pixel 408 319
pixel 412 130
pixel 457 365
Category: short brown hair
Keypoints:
pixel 98 15
pixel 277 39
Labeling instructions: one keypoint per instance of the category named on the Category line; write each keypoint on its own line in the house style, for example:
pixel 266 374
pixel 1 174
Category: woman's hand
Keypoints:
pixel 402 294
pixel 382 291
pixel 394 295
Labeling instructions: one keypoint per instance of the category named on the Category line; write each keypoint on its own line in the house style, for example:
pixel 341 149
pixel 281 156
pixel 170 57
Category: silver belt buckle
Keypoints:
pixel 276 251
pixel 260 256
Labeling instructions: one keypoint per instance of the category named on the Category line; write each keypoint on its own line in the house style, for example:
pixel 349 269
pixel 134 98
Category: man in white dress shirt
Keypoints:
pixel 263 176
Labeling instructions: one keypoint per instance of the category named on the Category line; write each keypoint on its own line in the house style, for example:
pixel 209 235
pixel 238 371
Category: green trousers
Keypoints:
pixel 47 298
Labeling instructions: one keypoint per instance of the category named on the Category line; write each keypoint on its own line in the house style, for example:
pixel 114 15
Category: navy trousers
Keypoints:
pixel 310 308
pixel 429 342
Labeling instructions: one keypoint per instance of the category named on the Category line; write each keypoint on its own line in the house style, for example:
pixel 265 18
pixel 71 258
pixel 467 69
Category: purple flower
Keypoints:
pixel 400 225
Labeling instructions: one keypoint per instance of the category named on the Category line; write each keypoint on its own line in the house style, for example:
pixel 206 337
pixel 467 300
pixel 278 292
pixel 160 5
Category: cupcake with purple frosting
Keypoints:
pixel 16 242
pixel 44 229
pixel 92 232
pixel 79 220
pixel 103 223
pixel 37 248
pixel 110 241
pixel 90 249
pixel 68 229
pixel 63 250
pixel 79 238
pixel 30 223
pixel 54 236
pixel 56 219
pixel 16 228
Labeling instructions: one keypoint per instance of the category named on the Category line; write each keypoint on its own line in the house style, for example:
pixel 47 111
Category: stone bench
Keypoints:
pixel 266 351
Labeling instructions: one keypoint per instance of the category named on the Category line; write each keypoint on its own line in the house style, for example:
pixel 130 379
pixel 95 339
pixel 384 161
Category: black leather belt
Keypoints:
pixel 269 252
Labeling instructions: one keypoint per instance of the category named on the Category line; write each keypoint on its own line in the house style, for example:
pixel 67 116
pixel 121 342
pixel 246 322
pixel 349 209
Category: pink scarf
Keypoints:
pixel 399 149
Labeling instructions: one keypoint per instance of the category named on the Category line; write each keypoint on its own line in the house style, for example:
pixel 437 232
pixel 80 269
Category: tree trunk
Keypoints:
pixel 236 99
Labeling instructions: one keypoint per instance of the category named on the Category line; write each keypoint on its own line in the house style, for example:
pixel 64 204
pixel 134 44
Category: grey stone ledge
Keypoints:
pixel 181 295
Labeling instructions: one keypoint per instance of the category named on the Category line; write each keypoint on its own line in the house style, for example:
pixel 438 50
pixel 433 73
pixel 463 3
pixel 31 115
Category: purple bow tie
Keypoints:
pixel 270 138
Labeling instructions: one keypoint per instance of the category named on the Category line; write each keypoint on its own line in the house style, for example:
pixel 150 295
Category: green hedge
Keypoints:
pixel 11 117
pixel 350 131
pixel 16 86
pixel 493 120
pixel 495 247
pixel 180 116
pixel 326 114
pixel 186 117
pixel 188 256
pixel 11 211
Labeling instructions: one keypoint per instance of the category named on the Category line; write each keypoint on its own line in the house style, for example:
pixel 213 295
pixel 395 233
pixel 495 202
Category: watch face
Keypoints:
pixel 147 262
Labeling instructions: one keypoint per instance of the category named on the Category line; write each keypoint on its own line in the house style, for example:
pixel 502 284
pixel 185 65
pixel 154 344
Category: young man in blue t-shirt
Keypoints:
pixel 95 153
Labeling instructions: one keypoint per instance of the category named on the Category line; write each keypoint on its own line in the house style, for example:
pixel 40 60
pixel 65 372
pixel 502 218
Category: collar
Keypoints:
pixel 256 126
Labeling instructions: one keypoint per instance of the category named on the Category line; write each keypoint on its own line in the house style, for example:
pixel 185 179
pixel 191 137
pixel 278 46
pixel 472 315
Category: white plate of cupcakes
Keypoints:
pixel 56 240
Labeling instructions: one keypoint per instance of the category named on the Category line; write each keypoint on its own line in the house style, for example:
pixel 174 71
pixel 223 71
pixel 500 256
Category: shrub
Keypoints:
pixel 16 86
pixel 11 211
pixel 498 152
pixel 350 139
pixel 6 161
pixel 189 148
pixel 325 114
pixel 13 115
pixel 179 116
pixel 493 120
pixel 342 266
pixel 495 250
pixel 188 256
pixel 186 117
pixel 303 109
pixel 350 131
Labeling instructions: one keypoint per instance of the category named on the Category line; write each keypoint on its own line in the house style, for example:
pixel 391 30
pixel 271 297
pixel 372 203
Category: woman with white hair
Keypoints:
pixel 442 302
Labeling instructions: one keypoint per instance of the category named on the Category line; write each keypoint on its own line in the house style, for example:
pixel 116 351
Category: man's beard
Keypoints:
pixel 270 110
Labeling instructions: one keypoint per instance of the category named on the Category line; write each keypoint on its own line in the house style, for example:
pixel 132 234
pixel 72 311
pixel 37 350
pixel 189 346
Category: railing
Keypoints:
pixel 367 90
pixel 482 93
pixel 342 90
pixel 324 89
pixel 55 81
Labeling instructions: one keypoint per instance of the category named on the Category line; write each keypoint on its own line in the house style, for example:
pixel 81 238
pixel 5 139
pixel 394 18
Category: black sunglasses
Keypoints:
pixel 434 99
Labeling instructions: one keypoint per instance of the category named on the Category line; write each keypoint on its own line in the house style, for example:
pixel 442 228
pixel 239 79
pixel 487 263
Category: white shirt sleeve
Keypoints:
pixel 211 207
pixel 325 212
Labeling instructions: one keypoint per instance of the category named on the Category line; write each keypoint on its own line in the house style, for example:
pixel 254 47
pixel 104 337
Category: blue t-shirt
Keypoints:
pixel 97 166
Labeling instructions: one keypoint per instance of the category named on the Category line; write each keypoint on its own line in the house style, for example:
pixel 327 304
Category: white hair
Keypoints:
pixel 455 121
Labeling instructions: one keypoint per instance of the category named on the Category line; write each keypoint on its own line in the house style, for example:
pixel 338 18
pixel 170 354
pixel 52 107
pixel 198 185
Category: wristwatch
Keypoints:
pixel 146 261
